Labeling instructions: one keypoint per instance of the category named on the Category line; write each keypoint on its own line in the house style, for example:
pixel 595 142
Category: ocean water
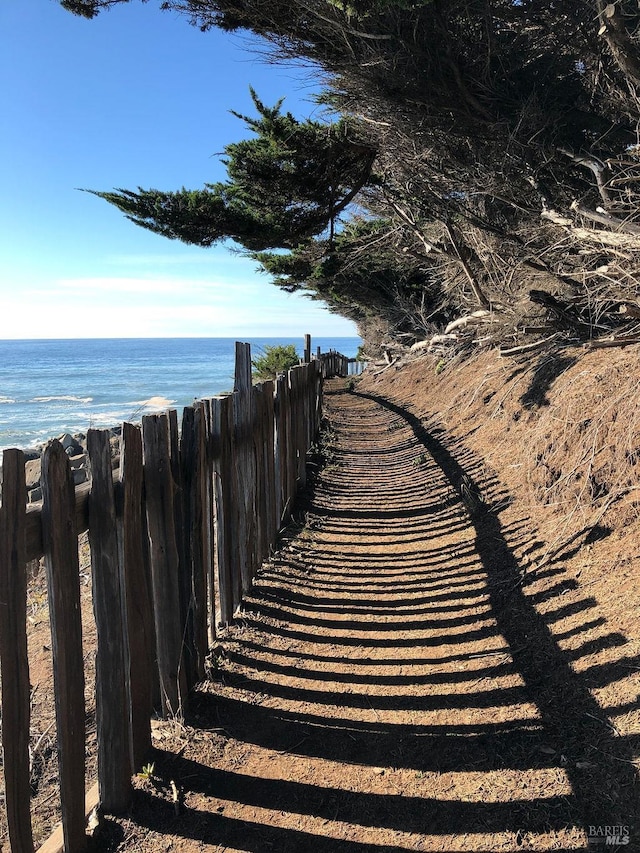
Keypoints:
pixel 51 387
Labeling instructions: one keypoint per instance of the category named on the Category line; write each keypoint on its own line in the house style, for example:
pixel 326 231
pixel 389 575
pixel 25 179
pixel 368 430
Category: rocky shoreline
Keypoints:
pixel 75 446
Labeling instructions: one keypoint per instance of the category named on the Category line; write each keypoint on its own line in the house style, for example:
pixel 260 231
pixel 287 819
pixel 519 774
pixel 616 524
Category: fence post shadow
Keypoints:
pixel 571 717
pixel 163 529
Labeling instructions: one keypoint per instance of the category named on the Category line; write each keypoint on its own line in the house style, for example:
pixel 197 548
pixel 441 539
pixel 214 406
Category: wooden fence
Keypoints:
pixel 176 536
pixel 337 364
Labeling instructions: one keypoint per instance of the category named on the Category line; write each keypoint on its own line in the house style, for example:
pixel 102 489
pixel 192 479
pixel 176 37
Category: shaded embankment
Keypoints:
pixel 390 686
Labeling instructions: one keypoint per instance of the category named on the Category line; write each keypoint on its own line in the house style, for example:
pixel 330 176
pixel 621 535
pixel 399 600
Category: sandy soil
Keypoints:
pixel 444 653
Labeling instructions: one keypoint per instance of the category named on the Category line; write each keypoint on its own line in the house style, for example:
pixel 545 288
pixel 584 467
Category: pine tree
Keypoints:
pixel 287 183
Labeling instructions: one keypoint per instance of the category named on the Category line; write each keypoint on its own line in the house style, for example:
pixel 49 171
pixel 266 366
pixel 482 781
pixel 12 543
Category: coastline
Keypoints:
pixel 75 446
pixel 50 388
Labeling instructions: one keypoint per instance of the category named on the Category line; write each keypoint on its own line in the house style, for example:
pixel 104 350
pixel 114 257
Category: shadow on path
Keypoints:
pixel 573 721
pixel 389 684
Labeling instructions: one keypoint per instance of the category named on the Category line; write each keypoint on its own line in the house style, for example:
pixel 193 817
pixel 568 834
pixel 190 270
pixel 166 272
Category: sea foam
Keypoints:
pixel 62 397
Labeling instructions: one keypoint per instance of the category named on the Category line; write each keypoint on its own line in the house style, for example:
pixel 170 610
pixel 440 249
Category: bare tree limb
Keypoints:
pixel 600 170
pixel 536 345
pixel 606 219
pixel 475 287
pixel 614 32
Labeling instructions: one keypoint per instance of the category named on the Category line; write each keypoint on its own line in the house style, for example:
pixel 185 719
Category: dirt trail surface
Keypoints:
pixel 392 684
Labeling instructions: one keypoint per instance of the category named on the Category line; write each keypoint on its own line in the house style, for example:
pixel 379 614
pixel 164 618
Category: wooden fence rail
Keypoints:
pixel 337 364
pixel 176 536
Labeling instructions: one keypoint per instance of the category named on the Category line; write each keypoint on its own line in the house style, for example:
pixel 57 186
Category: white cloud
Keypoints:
pixel 176 290
pixel 131 306
pixel 160 260
pixel 110 286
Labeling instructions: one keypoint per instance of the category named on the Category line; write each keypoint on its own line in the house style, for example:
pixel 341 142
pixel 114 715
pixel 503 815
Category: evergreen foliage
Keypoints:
pixel 89 8
pixel 363 275
pixel 274 360
pixel 287 183
pixel 491 147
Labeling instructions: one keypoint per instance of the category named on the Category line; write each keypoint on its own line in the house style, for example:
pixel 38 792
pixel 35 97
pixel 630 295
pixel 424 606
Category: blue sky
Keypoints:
pixel 136 97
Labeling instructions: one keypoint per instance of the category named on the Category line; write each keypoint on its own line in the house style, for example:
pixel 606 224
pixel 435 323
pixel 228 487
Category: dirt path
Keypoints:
pixel 390 686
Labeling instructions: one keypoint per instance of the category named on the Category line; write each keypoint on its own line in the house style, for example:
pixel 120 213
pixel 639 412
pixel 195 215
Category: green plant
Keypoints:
pixel 147 771
pixel 274 360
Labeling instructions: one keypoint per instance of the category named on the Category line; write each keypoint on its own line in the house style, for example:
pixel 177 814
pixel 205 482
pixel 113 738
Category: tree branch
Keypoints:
pixel 614 32
pixel 601 172
pixel 606 219
pixel 477 291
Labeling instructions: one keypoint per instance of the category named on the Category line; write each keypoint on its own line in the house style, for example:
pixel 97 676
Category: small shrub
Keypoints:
pixel 274 360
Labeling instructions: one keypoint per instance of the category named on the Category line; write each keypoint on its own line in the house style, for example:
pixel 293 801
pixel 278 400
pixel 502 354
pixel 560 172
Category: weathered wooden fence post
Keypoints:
pixel 279 463
pixel 159 489
pixel 258 485
pixel 264 485
pixel 307 349
pixel 319 387
pixel 224 504
pixel 194 485
pixel 60 541
pixel 209 526
pixel 209 529
pixel 299 427
pixel 16 709
pixel 310 404
pixel 244 539
pixel 134 558
pixel 112 701
pixel 269 461
pixel 288 446
pixel 182 544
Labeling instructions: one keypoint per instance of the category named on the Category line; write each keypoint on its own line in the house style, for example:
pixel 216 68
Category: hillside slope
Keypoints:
pixel 558 439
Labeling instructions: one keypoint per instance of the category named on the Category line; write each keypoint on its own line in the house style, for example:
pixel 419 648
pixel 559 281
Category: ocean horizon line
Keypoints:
pixel 236 337
pixel 52 386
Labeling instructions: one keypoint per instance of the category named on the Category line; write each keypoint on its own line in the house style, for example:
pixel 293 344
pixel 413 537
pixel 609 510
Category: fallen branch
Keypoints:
pixel 601 343
pixel 630 310
pixel 419 345
pixel 386 367
pixel 475 318
pixel 535 330
pixel 606 219
pixel 536 345
pixel 625 233
pixel 475 287
pixel 555 217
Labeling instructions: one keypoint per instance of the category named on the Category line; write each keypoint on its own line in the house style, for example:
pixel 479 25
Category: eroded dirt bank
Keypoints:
pixel 559 439
pixel 419 667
